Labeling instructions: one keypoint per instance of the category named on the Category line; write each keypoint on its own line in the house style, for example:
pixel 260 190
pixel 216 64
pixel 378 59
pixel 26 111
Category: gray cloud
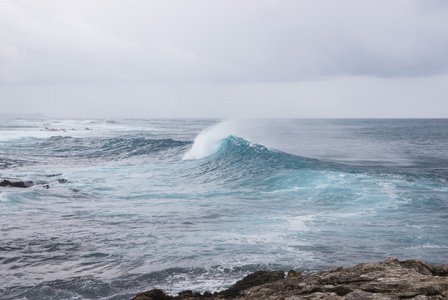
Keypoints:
pixel 224 58
pixel 219 41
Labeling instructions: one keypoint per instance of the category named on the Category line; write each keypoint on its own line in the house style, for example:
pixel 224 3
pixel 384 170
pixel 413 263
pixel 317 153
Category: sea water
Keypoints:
pixel 123 206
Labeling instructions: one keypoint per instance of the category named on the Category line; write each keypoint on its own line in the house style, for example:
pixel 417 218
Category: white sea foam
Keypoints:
pixel 300 223
pixel 21 135
pixel 209 140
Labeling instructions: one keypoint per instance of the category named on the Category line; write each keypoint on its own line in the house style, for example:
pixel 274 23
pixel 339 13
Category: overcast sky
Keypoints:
pixel 224 58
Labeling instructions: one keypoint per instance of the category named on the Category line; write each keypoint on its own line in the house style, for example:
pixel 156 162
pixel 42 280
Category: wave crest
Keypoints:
pixel 210 140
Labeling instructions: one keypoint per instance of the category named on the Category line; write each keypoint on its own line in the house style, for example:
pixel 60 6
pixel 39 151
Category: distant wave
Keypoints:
pixel 120 147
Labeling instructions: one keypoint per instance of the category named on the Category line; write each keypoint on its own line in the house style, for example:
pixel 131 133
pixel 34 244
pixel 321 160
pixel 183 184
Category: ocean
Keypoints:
pixel 118 207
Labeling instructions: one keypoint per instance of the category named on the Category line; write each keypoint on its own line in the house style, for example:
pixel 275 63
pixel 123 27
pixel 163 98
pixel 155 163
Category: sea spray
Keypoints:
pixel 209 140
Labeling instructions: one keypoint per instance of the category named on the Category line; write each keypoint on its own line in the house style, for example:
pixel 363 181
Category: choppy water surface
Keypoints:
pixel 197 204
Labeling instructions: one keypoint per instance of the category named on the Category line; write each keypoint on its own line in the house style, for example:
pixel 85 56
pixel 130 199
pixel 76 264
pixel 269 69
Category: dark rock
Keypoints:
pixel 425 268
pixel 251 280
pixel 154 294
pixel 440 270
pixel 54 129
pixel 62 180
pixel 292 273
pixel 21 184
pixel 186 293
pixel 208 295
pixel 340 290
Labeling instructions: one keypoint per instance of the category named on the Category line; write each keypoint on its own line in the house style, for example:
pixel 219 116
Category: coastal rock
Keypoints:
pixel 251 280
pixel 21 184
pixel 293 273
pixel 154 294
pixel 26 184
pixel 390 279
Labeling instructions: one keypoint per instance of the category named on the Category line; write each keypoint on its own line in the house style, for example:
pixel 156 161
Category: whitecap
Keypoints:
pixel 209 140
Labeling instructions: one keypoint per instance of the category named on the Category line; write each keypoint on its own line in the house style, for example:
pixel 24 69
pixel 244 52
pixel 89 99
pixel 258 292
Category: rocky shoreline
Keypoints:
pixel 387 280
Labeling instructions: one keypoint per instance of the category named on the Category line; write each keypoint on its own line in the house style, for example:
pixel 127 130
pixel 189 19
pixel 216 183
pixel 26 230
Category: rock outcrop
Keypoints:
pixel 390 279
pixel 21 184
pixel 26 184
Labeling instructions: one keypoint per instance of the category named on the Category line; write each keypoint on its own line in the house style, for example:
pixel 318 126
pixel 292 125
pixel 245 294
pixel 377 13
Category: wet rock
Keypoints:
pixel 390 279
pixel 154 294
pixel 54 129
pixel 26 184
pixel 251 280
pixel 190 294
pixel 20 184
pixel 292 273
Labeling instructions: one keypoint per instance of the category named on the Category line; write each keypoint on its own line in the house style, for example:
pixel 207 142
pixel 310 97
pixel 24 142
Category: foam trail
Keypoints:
pixel 209 140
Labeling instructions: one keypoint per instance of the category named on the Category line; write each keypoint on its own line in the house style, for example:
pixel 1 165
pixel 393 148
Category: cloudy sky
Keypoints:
pixel 224 58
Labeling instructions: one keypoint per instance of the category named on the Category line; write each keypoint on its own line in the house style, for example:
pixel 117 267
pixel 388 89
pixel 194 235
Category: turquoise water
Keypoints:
pixel 133 205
